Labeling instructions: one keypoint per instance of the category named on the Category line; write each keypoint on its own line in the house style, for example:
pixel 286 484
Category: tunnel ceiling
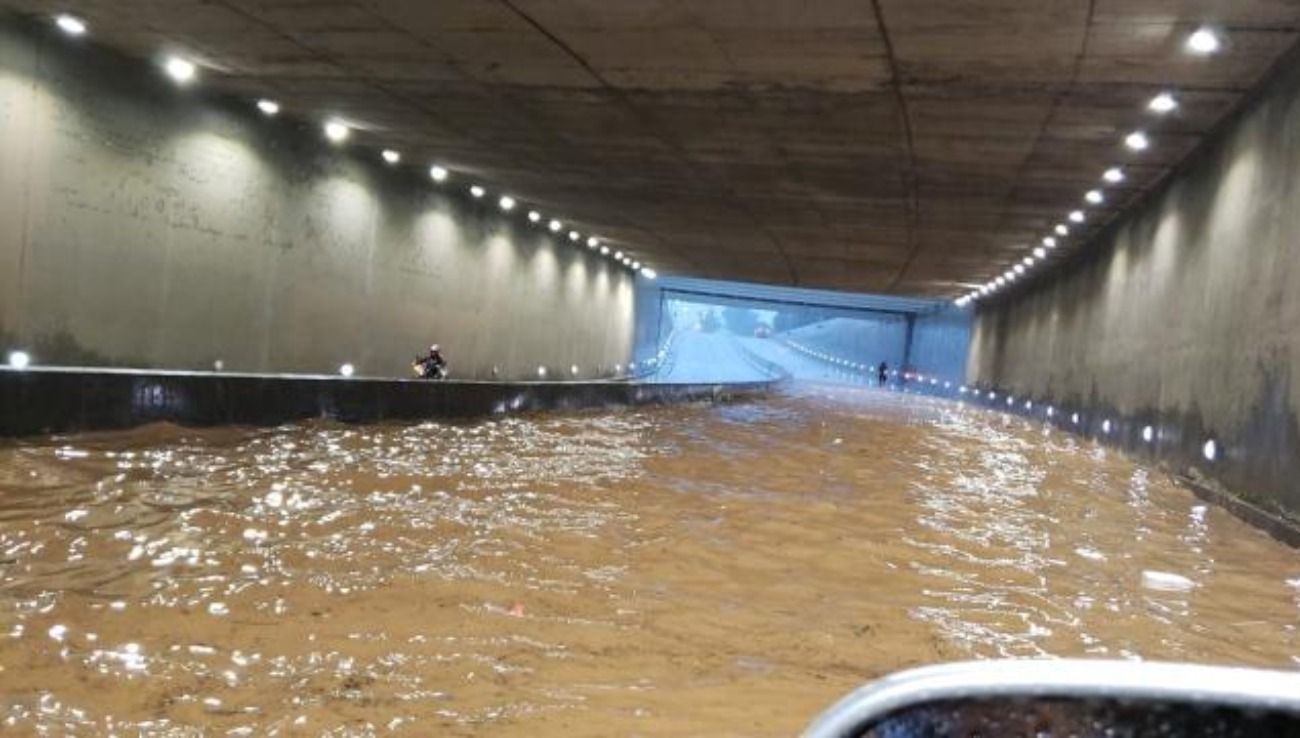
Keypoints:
pixel 903 146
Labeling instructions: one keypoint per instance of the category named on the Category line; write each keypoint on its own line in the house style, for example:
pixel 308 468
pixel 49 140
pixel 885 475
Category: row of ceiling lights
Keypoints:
pixel 1203 42
pixel 183 72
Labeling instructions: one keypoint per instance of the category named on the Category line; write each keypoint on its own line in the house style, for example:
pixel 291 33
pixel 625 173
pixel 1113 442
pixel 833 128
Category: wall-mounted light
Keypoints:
pixel 70 24
pixel 1163 103
pixel 1137 140
pixel 19 360
pixel 541 372
pixel 182 71
pixel 1105 426
pixel 337 131
pixel 1204 41
pixel 1148 434
pixel 347 370
pixel 1210 450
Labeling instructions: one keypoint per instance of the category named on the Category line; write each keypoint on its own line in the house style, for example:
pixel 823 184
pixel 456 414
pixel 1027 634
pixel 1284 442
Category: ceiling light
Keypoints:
pixel 507 203
pixel 636 265
pixel 268 107
pixel 1040 252
pixel 984 290
pixel 392 157
pixel 618 255
pixel 1009 275
pixel 438 173
pixel 1061 230
pixel 1114 175
pixel 574 235
pixel 649 273
pixel 1000 281
pixel 1163 103
pixel 1137 140
pixel 534 216
pixel 604 251
pixel 1076 216
pixel 1049 242
pixel 180 70
pixel 1095 197
pixel 593 242
pixel 555 225
pixel 336 131
pixel 477 191
pixel 1204 41
pixel 70 24
pixel 1019 268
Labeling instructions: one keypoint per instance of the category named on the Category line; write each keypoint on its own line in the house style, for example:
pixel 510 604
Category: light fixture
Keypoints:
pixel 1076 216
pixel 347 370
pixel 1000 281
pixel 218 365
pixel 604 251
pixel 1095 197
pixel 181 70
pixel 1210 450
pixel 1074 418
pixel 636 265
pixel 1062 230
pixel 392 157
pixel 507 203
pixel 1163 103
pixel 1051 411
pixel 534 216
pixel 337 131
pixel 574 235
pixel 1049 242
pixel 1114 175
pixel 618 255
pixel 1040 252
pixel 1105 426
pixel 437 173
pixel 593 242
pixel 1137 140
pixel 1148 434
pixel 541 372
pixel 1009 275
pixel 984 290
pixel 477 192
pixel 648 273
pixel 1020 269
pixel 1204 41
pixel 268 107
pixel 573 370
pixel 555 226
pixel 70 24
pixel 19 360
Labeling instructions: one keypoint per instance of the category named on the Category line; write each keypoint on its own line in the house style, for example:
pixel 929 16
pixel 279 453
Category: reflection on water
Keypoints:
pixel 687 570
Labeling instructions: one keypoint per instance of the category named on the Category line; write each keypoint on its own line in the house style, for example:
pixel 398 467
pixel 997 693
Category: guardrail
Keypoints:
pixel 56 400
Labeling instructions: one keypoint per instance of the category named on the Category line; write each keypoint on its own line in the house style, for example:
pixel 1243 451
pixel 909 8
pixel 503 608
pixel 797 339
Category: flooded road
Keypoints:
pixel 690 570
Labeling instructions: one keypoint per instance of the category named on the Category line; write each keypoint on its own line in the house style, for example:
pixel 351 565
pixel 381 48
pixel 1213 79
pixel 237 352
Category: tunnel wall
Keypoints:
pixel 146 225
pixel 941 343
pixel 1184 314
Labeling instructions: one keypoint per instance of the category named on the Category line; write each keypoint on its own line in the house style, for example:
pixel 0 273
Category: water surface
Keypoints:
pixel 697 570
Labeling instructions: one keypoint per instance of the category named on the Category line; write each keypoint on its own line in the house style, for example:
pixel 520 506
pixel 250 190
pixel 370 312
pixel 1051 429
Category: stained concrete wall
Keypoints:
pixel 145 225
pixel 1185 314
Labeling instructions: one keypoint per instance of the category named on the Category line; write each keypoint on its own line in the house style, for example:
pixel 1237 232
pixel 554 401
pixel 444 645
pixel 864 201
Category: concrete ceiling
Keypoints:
pixel 913 147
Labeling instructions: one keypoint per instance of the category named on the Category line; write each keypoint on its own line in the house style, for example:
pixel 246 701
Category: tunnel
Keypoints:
pixel 665 368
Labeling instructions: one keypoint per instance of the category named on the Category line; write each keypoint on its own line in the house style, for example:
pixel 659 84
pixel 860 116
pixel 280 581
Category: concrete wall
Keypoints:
pixel 940 344
pixel 1186 314
pixel 146 225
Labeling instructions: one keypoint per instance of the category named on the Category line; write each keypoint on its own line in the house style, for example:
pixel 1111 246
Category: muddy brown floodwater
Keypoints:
pixel 697 570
